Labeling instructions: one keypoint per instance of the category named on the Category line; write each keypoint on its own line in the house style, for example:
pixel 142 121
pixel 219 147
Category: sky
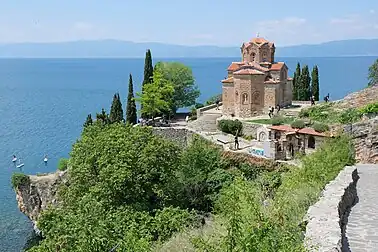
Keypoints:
pixel 193 22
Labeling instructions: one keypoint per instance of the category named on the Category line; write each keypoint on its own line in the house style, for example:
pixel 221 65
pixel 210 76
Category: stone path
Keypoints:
pixel 362 227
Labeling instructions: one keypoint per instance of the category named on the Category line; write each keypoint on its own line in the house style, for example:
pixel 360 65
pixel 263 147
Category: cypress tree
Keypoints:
pixel 88 121
pixel 131 111
pixel 297 82
pixel 116 111
pixel 305 82
pixel 102 117
pixel 315 83
pixel 148 71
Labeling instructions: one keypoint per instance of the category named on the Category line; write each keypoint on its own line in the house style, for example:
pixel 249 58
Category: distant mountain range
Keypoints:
pixel 126 49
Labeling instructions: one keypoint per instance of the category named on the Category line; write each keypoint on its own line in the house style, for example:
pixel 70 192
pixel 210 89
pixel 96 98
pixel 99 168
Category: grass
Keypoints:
pixel 249 225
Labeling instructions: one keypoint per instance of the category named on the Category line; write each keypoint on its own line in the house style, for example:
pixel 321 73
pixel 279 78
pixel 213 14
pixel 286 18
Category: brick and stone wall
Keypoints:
pixel 250 129
pixel 326 219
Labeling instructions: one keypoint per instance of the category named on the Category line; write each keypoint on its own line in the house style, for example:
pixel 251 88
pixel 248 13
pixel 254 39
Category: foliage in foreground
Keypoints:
pixel 373 73
pixel 130 188
pixel 63 164
pixel 19 179
pixel 255 222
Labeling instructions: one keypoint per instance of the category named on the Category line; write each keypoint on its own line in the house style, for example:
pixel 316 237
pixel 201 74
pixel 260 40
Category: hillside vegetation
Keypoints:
pixel 135 191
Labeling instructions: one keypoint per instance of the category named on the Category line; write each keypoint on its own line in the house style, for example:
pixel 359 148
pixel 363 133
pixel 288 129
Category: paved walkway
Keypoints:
pixel 362 227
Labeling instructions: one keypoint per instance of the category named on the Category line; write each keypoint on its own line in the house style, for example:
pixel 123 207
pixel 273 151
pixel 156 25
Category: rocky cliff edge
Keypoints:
pixel 38 193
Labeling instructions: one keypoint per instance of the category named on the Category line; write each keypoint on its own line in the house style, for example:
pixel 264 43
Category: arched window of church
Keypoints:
pixel 245 98
pixel 264 57
pixel 253 55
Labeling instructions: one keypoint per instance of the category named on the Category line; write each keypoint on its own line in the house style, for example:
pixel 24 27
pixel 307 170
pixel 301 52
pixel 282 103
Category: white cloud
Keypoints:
pixel 82 26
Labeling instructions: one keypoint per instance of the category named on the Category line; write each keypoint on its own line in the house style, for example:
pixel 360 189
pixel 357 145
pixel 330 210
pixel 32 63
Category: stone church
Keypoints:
pixel 257 82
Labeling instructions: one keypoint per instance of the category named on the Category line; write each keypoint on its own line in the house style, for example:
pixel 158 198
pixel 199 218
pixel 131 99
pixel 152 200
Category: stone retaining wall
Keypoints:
pixel 201 110
pixel 250 129
pixel 180 135
pixel 326 220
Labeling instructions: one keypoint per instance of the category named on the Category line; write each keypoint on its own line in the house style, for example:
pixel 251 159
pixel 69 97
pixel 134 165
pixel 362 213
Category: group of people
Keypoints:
pixel 271 110
pixel 312 99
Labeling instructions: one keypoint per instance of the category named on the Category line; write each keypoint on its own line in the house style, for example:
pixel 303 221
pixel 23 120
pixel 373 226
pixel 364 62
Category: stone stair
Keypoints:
pixel 205 123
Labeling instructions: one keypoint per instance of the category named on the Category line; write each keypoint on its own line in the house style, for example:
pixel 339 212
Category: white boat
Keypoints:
pixel 45 160
pixel 14 159
pixel 20 164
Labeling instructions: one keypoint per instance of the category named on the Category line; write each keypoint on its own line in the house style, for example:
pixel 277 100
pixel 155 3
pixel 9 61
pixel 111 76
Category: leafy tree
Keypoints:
pixel 116 111
pixel 131 111
pixel 297 82
pixel 304 87
pixel 148 73
pixel 181 77
pixel 156 97
pixel 315 83
pixel 373 74
pixel 88 121
pixel 102 117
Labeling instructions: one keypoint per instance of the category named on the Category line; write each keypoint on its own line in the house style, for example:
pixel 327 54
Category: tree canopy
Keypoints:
pixel 131 110
pixel 373 73
pixel 315 83
pixel 156 97
pixel 181 77
pixel 116 111
pixel 148 72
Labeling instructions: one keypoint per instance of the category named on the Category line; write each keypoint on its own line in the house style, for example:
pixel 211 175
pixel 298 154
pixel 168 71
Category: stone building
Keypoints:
pixel 286 141
pixel 256 82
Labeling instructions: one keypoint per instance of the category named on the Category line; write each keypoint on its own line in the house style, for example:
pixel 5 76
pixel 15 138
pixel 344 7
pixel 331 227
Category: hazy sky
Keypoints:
pixel 191 22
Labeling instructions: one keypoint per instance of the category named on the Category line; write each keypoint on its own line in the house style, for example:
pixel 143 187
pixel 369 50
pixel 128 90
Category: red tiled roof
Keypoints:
pixel 277 66
pixel 228 80
pixel 235 65
pixel 248 71
pixel 307 131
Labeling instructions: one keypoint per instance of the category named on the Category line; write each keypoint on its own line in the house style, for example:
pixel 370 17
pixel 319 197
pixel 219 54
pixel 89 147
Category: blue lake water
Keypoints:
pixel 44 102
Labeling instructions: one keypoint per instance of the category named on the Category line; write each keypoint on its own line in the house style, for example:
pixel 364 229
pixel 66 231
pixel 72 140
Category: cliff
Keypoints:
pixel 38 193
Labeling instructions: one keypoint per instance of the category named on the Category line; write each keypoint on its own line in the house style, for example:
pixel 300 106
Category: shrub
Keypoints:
pixel 298 124
pixel 320 127
pixel 199 105
pixel 63 164
pixel 277 120
pixel 370 108
pixel 19 179
pixel 231 126
pixel 350 115
pixel 304 113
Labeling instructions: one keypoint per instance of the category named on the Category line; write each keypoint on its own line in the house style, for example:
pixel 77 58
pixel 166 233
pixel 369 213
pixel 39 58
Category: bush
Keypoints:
pixel 277 120
pixel 199 105
pixel 349 116
pixel 231 126
pixel 19 179
pixel 304 113
pixel 370 108
pixel 298 124
pixel 320 127
pixel 63 164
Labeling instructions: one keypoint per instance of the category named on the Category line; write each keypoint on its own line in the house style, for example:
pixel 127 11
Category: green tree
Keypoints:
pixel 181 77
pixel 315 83
pixel 148 73
pixel 131 111
pixel 373 74
pixel 297 82
pixel 305 82
pixel 102 117
pixel 116 111
pixel 156 97
pixel 88 121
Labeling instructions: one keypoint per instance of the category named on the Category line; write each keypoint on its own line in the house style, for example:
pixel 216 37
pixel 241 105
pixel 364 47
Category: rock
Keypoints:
pixel 39 193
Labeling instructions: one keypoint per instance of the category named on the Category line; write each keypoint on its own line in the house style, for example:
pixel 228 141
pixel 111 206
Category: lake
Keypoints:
pixel 44 102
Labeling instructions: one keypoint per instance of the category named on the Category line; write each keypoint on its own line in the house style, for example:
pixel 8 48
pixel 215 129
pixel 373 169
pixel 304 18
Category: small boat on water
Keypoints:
pixel 45 159
pixel 20 164
pixel 14 159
